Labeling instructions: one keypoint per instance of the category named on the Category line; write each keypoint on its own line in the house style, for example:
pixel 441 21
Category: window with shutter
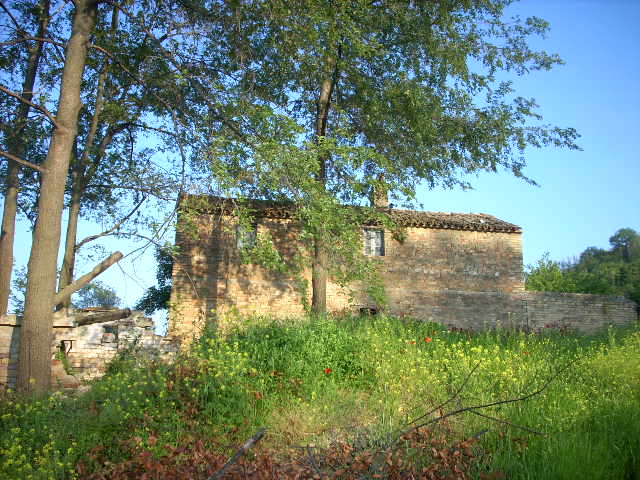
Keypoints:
pixel 374 242
pixel 246 237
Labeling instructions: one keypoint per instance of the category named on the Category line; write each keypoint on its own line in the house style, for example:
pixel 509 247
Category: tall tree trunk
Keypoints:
pixel 319 263
pixel 17 147
pixel 68 263
pixel 34 369
pixel 79 180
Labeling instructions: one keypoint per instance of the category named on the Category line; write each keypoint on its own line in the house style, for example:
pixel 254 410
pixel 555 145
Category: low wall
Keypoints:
pixel 88 348
pixel 528 310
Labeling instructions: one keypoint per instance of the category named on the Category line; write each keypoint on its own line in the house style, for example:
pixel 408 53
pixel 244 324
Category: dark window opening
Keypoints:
pixel 365 311
pixel 246 236
pixel 374 242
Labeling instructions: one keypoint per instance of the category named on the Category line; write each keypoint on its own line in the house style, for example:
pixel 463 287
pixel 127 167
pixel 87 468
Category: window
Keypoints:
pixel 374 242
pixel 245 236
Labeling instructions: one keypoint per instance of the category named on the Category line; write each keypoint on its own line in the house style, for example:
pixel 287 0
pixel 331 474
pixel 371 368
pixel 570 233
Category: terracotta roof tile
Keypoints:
pixel 480 222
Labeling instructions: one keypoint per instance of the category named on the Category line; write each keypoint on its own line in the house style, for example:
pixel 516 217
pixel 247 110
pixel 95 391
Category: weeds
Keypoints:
pixel 341 389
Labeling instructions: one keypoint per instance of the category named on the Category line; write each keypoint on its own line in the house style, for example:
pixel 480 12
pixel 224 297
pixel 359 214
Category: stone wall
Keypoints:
pixel 209 277
pixel 462 278
pixel 88 348
pixel 527 310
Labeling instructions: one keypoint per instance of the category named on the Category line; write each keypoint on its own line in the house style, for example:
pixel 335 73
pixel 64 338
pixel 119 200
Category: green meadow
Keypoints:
pixel 358 390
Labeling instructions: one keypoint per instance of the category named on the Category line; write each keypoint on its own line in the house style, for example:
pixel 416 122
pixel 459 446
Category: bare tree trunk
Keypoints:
pixel 34 369
pixel 79 179
pixel 68 264
pixel 319 263
pixel 17 147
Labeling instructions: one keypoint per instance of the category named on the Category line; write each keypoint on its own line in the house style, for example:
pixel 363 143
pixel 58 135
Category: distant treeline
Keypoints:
pixel 615 271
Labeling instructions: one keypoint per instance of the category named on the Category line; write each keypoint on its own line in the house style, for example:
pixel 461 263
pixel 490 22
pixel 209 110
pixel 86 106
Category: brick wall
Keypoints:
pixel 209 277
pixel 527 310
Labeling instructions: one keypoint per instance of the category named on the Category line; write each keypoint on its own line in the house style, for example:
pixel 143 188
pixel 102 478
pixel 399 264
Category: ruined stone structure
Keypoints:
pixel 88 348
pixel 463 270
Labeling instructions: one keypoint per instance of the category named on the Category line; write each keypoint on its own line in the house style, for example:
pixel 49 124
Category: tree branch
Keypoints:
pixel 243 449
pixel 473 408
pixel 13 19
pixel 27 38
pixel 21 161
pixel 67 291
pixel 40 108
pixel 91 238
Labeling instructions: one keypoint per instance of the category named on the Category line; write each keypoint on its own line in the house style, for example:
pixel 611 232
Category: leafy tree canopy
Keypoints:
pixel 96 294
pixel 613 272
pixel 157 297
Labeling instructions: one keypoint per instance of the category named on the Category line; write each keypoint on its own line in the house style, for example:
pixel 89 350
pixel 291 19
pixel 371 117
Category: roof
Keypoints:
pixel 479 222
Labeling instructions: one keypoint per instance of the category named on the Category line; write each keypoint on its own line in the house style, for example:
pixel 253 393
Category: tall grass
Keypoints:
pixel 353 379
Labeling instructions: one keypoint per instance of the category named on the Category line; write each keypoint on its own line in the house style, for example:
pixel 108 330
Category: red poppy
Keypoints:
pixel 327 371
pixel 526 353
pixel 427 339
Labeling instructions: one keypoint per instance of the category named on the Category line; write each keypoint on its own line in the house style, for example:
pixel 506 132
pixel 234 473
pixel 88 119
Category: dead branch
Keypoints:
pixel 89 318
pixel 67 291
pixel 450 399
pixel 474 408
pixel 21 161
pixel 506 422
pixel 243 449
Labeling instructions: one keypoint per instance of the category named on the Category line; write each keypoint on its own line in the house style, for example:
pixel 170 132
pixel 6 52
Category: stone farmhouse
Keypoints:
pixel 459 269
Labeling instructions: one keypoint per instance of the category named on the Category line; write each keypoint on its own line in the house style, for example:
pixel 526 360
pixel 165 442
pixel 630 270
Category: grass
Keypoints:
pixel 347 380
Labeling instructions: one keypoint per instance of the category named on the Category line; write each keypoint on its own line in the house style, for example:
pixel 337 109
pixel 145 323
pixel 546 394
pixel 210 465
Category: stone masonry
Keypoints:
pixel 463 270
pixel 88 349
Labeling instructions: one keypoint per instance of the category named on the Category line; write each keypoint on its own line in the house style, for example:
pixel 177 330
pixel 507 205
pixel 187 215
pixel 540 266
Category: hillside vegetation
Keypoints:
pixel 610 272
pixel 339 398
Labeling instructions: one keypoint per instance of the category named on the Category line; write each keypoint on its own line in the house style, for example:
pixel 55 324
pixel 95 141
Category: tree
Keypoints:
pixel 157 297
pixel 101 167
pixel 34 371
pixel 157 79
pixel 607 272
pixel 96 294
pixel 385 95
pixel 547 275
pixel 15 135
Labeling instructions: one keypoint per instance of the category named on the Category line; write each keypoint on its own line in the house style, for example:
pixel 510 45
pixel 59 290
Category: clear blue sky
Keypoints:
pixel 585 196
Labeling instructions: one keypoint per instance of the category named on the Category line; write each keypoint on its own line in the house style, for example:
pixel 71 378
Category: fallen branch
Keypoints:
pixel 67 291
pixel 101 317
pixel 474 408
pixel 243 449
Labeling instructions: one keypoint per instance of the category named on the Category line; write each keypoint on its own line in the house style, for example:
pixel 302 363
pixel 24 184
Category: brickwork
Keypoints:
pixel 209 276
pixel 526 310
pixel 88 348
pixel 449 268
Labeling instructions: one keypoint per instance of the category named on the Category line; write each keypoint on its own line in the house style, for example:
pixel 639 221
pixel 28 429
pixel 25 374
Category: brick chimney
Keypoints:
pixel 379 196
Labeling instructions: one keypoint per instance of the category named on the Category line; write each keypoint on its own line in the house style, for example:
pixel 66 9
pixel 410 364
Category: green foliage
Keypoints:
pixel 96 294
pixel 414 100
pixel 611 272
pixel 18 288
pixel 320 380
pixel 547 275
pixel 157 297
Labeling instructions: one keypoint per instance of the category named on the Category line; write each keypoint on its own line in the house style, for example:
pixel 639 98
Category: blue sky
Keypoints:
pixel 584 196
